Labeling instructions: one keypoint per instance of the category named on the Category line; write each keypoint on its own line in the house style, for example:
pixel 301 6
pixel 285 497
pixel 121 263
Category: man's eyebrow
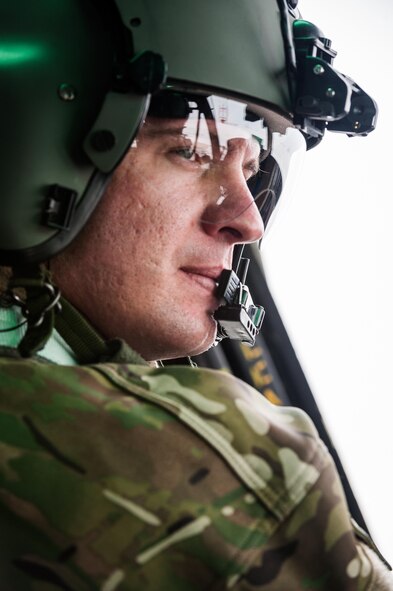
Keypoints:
pixel 152 130
pixel 156 131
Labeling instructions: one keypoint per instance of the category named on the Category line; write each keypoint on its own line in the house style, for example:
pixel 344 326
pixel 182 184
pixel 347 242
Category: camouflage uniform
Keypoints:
pixel 126 477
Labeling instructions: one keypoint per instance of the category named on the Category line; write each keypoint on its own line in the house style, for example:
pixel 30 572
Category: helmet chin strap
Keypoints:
pixel 44 310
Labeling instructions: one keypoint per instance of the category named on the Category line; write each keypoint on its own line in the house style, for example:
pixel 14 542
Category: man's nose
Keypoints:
pixel 231 211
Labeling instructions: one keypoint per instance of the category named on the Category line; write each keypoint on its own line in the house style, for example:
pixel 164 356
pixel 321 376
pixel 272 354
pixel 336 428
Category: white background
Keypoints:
pixel 329 264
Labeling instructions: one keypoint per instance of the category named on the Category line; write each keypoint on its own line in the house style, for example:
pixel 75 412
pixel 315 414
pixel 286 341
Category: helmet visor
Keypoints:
pixel 243 153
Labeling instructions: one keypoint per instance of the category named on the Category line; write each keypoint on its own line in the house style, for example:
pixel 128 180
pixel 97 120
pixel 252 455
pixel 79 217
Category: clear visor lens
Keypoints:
pixel 232 159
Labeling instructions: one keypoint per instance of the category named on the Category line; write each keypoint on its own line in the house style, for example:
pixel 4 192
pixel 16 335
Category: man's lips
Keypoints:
pixel 206 277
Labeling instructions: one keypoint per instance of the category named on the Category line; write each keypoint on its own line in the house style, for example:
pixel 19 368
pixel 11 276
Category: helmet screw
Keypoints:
pixel 135 22
pixel 330 93
pixel 66 92
pixel 357 125
pixel 102 140
pixel 318 70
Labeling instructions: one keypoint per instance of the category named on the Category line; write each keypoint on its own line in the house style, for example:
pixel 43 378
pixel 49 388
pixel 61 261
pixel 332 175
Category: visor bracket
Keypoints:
pixel 145 73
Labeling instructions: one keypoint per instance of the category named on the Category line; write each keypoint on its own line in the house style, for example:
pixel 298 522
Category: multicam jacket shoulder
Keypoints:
pixel 131 478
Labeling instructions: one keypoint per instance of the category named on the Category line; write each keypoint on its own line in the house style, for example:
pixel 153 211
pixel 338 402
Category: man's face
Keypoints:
pixel 146 266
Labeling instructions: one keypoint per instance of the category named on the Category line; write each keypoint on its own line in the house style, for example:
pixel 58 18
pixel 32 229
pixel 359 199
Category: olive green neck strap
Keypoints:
pixel 85 342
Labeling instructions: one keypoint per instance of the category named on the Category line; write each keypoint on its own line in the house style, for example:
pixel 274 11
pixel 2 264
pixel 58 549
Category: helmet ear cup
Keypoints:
pixel 59 67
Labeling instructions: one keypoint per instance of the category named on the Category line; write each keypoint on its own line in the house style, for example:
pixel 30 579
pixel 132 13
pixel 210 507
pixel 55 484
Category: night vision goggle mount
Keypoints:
pixel 325 98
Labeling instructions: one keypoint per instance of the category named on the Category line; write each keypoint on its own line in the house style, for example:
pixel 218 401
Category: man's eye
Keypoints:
pixel 198 159
pixel 186 153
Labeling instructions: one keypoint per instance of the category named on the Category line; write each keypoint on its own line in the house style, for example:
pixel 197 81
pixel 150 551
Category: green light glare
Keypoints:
pixel 13 54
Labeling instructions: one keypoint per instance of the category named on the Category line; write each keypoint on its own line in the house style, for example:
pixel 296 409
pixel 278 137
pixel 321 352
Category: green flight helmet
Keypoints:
pixel 77 77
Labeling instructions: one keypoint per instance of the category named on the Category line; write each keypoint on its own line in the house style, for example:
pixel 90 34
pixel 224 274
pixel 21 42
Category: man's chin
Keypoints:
pixel 193 342
pixel 206 339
